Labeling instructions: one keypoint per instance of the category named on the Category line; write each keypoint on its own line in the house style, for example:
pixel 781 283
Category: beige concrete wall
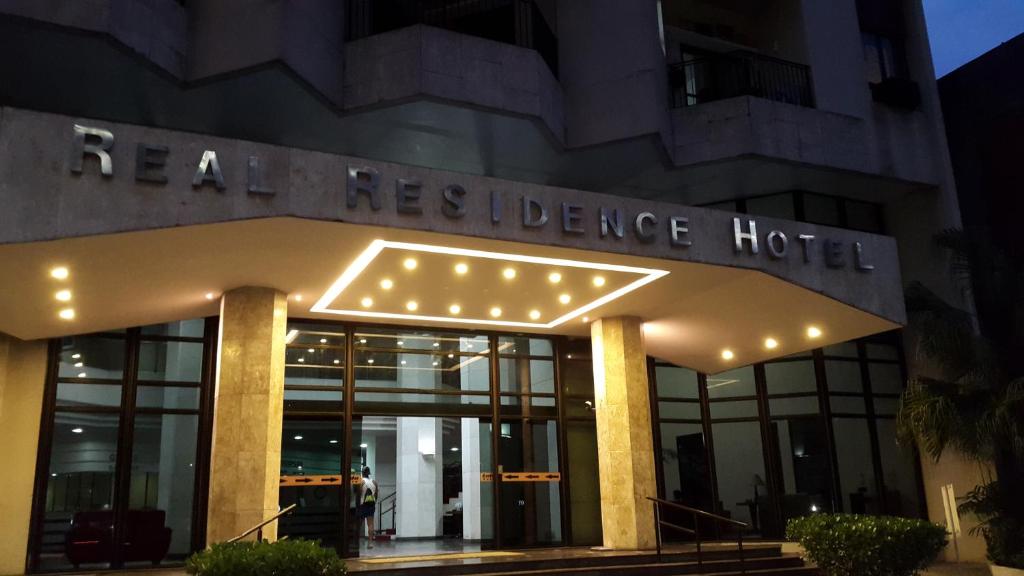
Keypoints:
pixel 964 475
pixel 22 379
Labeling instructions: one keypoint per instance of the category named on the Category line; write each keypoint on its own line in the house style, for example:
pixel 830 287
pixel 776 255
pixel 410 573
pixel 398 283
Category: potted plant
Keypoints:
pixel 975 406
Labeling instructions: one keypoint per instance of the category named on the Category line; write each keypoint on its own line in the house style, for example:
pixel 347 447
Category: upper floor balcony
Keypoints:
pixel 518 22
pixel 703 78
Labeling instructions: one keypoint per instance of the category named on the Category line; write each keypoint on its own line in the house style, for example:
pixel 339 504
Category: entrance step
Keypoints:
pixel 758 559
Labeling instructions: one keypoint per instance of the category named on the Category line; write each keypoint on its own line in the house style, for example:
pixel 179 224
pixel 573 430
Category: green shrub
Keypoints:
pixel 854 545
pixel 1004 534
pixel 281 558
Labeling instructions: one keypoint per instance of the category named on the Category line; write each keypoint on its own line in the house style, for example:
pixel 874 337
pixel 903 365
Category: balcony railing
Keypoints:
pixel 517 22
pixel 720 76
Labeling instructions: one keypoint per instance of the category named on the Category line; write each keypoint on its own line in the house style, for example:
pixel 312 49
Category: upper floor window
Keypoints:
pixel 883 57
pixel 811 207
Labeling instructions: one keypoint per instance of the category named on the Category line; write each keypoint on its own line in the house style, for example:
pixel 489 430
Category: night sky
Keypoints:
pixel 962 30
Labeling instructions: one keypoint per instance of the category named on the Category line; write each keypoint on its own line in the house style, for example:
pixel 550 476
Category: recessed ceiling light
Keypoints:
pixel 311 350
pixel 362 340
pixel 495 312
pixel 370 361
pixel 301 360
pixel 60 273
pixel 401 343
pixel 63 295
pixel 387 284
pixel 79 364
pixel 509 273
pixel 461 268
pixel 410 264
pixel 333 442
pixel 568 356
pixel 727 354
pixel 455 309
pixel 555 277
pixel 210 295
pixel 771 343
pixel 598 281
pixel 336 361
pixel 364 446
pixel 298 437
pixel 298 297
pixel 412 306
pixel 451 355
pixel 76 356
pixel 534 314
pixel 77 430
pixel 323 340
pixel 565 298
pixel 67 314
pixel 455 448
pixel 435 363
pixel 813 332
pixel 366 302
pixel 82 374
pixel 437 344
pixel 586 319
pixel 403 362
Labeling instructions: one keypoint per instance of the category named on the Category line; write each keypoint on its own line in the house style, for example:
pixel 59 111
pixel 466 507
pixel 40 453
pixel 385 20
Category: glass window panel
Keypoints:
pixel 728 206
pixel 864 216
pixel 848 404
pixel 679 410
pixel 365 400
pixel 578 408
pixel 774 206
pixel 524 345
pixel 886 378
pixel 843 376
pixel 899 472
pixel 790 377
pixel 442 342
pixel 169 397
pixel 820 209
pixel 877 351
pixel 525 376
pixel 162 482
pixel 856 471
pixel 318 512
pixel 304 334
pixel 886 406
pixel 416 370
pixel 184 329
pixel 92 357
pixel 584 483
pixel 537 407
pixel 578 378
pixel 843 349
pixel 88 395
pixel 793 406
pixel 685 462
pixel 313 400
pixel 737 409
pixel 80 489
pixel 307 363
pixel 171 361
pixel 803 460
pixel 739 462
pixel 738 382
pixel 531 511
pixel 676 382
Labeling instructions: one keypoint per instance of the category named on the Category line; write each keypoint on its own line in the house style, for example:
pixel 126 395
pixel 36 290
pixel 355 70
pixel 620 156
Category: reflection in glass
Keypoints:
pixel 676 382
pixel 310 448
pixel 790 377
pixel 416 370
pixel 679 411
pixel 843 376
pixel 584 483
pixel 525 345
pixel 168 397
pixel 92 357
pixel 162 483
pixel 886 378
pixel 526 376
pixel 739 462
pixel 78 395
pixel 184 329
pixel 856 470
pixel 738 382
pixel 801 455
pixel 80 492
pixel 684 459
pixel 899 472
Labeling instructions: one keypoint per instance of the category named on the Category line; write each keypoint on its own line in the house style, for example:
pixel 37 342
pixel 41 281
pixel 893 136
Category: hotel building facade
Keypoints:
pixel 529 261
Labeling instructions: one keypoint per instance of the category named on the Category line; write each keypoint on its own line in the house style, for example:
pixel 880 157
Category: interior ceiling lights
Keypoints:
pixel 522 287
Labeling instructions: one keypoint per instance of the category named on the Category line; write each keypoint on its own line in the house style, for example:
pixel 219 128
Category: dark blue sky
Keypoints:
pixel 962 30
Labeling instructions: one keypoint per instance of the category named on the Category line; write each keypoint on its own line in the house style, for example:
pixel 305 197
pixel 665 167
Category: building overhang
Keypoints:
pixel 182 218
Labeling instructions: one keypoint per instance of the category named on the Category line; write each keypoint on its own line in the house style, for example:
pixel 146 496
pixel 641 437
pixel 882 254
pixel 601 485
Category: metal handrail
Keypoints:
pixel 697 514
pixel 381 511
pixel 259 527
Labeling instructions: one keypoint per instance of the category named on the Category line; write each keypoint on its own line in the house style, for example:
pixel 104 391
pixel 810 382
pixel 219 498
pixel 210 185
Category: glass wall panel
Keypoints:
pixel 171 361
pixel 899 472
pixel 687 473
pixel 819 209
pixel 843 376
pixel 739 462
pixel 531 508
pixel 422 371
pixel 162 484
pixel 864 216
pixel 81 395
pixel 184 329
pixel 848 404
pixel 170 397
pixel 843 349
pixel 675 382
pixel 859 494
pixel 525 345
pixel 93 357
pixel 679 411
pixel 527 376
pixel 584 483
pixel 734 409
pixel 791 377
pixel 774 206
pixel 738 382
pixel 793 406
pixel 79 515
pixel 802 458
pixel 312 448
pixel 885 378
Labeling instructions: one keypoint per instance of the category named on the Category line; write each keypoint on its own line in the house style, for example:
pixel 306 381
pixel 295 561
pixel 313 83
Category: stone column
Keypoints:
pixel 245 462
pixel 22 382
pixel 624 440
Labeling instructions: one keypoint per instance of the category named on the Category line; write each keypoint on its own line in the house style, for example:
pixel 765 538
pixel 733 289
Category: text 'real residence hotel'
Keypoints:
pixel 530 261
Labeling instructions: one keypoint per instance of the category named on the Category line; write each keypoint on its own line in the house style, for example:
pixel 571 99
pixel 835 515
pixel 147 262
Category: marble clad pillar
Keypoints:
pixel 245 458
pixel 624 439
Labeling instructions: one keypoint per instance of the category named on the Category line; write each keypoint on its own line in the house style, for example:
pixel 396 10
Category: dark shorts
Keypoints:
pixel 366 510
